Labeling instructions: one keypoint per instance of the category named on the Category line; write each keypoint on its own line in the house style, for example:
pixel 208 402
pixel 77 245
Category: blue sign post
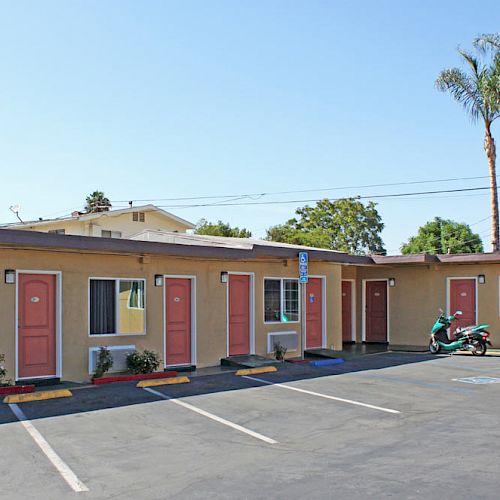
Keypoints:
pixel 303 267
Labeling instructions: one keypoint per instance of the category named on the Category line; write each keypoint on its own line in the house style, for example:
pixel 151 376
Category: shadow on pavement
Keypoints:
pixel 126 393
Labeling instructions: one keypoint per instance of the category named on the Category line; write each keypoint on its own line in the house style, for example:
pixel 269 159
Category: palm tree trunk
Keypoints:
pixel 489 146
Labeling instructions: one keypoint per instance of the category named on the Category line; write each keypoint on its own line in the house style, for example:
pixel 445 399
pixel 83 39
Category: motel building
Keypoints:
pixel 197 300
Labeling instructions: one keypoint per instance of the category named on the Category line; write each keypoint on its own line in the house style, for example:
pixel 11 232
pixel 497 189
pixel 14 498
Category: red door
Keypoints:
pixel 314 314
pixel 346 311
pixel 37 325
pixel 463 298
pixel 376 311
pixel 239 314
pixel 178 321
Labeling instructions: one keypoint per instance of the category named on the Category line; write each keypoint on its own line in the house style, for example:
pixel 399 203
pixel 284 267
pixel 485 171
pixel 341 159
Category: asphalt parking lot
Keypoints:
pixel 393 425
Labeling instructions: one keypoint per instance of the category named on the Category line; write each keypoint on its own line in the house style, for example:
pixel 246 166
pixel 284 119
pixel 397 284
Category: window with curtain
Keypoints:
pixel 281 300
pixel 117 307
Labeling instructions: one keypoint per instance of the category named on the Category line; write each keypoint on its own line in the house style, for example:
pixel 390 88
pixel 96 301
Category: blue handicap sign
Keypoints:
pixel 303 267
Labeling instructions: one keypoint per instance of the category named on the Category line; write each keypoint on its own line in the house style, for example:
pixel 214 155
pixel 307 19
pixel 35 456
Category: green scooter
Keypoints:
pixel 473 338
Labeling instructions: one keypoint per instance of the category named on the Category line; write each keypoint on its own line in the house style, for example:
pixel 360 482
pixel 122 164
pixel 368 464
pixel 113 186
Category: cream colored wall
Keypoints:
pixel 421 290
pixel 71 227
pixel 210 297
pixel 122 223
pixel 128 227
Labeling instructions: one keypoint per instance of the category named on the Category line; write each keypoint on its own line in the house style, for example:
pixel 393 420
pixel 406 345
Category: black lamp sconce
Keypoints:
pixel 10 276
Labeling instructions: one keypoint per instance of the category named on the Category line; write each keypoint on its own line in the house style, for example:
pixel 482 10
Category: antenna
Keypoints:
pixel 15 210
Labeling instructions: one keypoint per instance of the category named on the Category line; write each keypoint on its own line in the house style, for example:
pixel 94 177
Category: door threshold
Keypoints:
pixel 180 368
pixel 39 382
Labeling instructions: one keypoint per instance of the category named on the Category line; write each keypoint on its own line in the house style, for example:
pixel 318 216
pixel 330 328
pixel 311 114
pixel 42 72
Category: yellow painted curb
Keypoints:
pixel 38 396
pixel 163 381
pixel 254 371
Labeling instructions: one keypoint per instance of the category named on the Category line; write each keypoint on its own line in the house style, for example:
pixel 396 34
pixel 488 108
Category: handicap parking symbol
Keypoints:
pixel 478 380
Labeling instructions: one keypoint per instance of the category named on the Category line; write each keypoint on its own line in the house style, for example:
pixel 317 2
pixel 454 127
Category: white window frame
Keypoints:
pixel 117 307
pixel 111 233
pixel 282 300
pixel 270 349
pixel 137 216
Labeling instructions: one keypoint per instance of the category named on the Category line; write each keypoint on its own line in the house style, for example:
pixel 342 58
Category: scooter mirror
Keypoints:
pixel 441 311
pixel 458 313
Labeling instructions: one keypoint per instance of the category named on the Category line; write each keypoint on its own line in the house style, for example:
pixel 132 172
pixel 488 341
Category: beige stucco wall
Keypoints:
pixel 122 223
pixel 420 291
pixel 210 298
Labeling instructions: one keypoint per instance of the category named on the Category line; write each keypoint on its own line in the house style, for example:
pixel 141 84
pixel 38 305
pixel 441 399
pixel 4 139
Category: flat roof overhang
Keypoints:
pixel 48 241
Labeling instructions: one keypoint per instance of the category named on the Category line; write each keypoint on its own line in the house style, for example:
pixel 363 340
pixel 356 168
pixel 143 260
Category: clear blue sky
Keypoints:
pixel 163 99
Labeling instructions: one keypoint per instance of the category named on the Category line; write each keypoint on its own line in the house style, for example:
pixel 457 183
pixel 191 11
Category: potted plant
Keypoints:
pixel 104 362
pixel 280 351
pixel 143 362
pixel 4 382
pixel 7 386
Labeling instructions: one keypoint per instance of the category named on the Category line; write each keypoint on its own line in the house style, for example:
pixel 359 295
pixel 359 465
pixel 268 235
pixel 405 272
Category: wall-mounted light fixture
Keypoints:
pixel 158 279
pixel 224 276
pixel 392 281
pixel 481 279
pixel 10 276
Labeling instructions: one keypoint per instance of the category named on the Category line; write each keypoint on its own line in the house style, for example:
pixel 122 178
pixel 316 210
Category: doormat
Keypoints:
pixel 478 380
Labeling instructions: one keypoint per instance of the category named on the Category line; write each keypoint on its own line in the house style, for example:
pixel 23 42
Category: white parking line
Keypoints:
pixel 213 417
pixel 326 396
pixel 68 475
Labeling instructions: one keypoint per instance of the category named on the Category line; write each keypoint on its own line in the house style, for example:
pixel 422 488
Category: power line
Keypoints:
pixel 363 197
pixel 297 191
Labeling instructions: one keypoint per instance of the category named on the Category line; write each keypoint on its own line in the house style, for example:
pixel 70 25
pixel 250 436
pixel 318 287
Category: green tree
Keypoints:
pixel 346 225
pixel 441 236
pixel 97 202
pixel 478 90
pixel 221 229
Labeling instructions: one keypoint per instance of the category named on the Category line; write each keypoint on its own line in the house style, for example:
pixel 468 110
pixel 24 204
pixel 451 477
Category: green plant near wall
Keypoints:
pixel 143 362
pixel 3 372
pixel 280 351
pixel 104 362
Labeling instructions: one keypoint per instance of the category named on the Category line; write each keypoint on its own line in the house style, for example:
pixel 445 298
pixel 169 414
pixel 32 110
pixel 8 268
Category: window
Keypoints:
pixel 138 216
pixel 57 231
pixel 117 307
pixel 281 300
pixel 110 234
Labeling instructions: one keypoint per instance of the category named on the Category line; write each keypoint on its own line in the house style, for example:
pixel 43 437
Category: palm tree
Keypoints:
pixel 478 92
pixel 97 202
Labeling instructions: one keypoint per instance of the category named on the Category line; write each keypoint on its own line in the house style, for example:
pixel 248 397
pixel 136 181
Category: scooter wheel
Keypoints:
pixel 481 349
pixel 434 347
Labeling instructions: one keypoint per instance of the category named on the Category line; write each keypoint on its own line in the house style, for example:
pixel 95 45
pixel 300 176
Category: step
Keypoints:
pixel 322 353
pixel 248 361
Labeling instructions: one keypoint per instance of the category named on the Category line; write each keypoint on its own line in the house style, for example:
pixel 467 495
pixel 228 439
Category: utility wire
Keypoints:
pixel 338 188
pixel 363 197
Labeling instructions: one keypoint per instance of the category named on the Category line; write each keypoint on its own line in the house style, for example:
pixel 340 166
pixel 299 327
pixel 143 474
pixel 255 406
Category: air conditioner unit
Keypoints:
pixel 119 353
pixel 290 340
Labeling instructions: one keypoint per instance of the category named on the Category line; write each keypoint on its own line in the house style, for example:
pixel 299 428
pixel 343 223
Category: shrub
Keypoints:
pixel 3 372
pixel 280 351
pixel 143 362
pixel 104 362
